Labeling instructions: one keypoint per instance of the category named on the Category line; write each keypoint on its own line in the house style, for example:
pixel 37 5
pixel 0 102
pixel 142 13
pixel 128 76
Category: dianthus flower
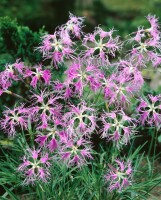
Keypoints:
pixel 37 73
pixel 132 73
pixel 103 44
pixel 64 89
pixel 50 137
pixel 80 118
pixel 75 150
pixel 10 74
pixel 118 127
pixel 45 108
pixel 57 47
pixel 150 110
pixel 16 118
pixel 5 83
pixel 119 176
pixel 118 89
pixel 35 166
pixel 74 25
pixel 147 44
pixel 81 74
pixel 12 70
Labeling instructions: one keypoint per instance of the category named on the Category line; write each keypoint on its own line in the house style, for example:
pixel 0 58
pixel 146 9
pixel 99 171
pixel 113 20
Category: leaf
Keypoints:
pixel 10 193
pixel 159 138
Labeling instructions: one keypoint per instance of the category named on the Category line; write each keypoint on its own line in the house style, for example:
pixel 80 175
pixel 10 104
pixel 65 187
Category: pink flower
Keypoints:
pixel 75 150
pixel 57 47
pixel 102 45
pixel 118 89
pixel 12 72
pixel 45 108
pixel 35 166
pixel 149 110
pixel 81 74
pixel 118 127
pixel 64 89
pixel 147 44
pixel 5 83
pixel 13 119
pixel 80 118
pixel 36 73
pixel 130 70
pixel 74 25
pixel 50 137
pixel 119 176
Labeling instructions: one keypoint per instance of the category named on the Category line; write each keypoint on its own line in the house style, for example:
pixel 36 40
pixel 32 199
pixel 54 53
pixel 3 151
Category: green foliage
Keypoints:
pixel 75 183
pixel 18 42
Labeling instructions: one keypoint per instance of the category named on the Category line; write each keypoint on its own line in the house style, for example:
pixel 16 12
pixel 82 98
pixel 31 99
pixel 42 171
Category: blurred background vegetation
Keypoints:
pixel 23 22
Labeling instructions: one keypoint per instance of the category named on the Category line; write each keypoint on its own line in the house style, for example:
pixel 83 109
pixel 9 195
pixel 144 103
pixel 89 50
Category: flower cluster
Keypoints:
pixel 93 97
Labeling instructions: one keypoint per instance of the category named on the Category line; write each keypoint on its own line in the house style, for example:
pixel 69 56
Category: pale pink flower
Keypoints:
pixel 150 110
pixel 74 25
pixel 118 89
pixel 81 74
pixel 37 73
pixel 132 74
pixel 35 166
pixel 45 108
pixel 118 127
pixel 147 45
pixel 14 119
pixel 101 44
pixel 119 176
pixel 81 118
pixel 75 150
pixel 57 47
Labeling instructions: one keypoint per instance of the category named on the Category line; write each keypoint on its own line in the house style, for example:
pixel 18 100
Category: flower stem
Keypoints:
pixel 16 95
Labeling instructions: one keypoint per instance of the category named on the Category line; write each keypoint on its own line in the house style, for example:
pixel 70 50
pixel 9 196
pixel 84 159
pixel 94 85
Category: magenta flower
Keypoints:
pixel 35 166
pixel 12 72
pixel 147 44
pixel 118 89
pixel 102 45
pixel 132 74
pixel 37 73
pixel 64 89
pixel 45 108
pixel 75 150
pixel 80 118
pixel 83 73
pixel 119 176
pixel 57 47
pixel 118 127
pixel 74 25
pixel 50 137
pixel 13 119
pixel 5 83
pixel 150 110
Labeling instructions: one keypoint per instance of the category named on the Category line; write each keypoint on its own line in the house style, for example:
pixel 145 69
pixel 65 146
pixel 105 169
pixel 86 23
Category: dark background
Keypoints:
pixel 124 15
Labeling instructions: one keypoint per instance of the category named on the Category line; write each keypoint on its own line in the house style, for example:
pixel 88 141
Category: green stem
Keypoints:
pixel 151 144
pixel 155 144
pixel 16 95
pixel 98 96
